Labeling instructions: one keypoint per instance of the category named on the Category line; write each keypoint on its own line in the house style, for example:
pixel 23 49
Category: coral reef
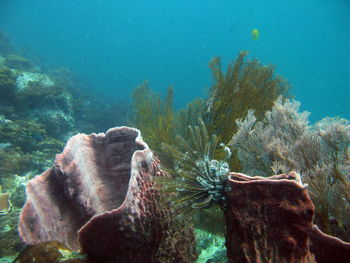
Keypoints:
pixel 104 195
pixel 245 85
pixel 23 134
pixel 99 197
pixel 25 146
pixel 30 80
pixel 39 108
pixel 284 141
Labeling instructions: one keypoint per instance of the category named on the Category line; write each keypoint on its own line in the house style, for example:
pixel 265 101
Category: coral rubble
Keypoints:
pixel 99 197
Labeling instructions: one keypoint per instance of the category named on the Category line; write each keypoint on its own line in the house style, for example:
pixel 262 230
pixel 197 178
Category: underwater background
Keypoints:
pixel 89 65
pixel 114 46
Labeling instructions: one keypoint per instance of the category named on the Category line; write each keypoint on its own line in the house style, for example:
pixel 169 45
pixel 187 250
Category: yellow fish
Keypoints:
pixel 255 34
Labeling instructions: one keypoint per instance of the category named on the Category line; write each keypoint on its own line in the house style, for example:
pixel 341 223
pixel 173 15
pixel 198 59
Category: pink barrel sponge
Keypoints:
pixel 99 198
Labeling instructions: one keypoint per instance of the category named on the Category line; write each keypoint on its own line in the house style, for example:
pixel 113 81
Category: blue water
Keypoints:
pixel 115 45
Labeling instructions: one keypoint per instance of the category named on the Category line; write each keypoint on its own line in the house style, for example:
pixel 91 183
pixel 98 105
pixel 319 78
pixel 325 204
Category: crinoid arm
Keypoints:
pixel 196 180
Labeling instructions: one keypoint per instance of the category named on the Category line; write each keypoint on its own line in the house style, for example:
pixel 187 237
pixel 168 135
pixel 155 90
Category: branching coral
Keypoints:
pixel 284 141
pixel 197 178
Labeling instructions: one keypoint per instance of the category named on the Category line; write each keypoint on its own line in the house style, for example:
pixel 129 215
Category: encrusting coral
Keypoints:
pixel 284 141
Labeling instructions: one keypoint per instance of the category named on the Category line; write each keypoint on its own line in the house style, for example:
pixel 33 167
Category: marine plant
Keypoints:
pixel 154 116
pixel 189 116
pixel 197 179
pixel 284 141
pixel 245 85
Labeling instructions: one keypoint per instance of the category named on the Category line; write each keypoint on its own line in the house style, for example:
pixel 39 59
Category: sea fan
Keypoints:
pixel 197 180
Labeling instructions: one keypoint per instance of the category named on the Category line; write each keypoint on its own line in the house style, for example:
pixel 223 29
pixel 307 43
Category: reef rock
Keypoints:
pixel 17 62
pixel 26 79
pixel 50 252
pixel 99 197
pixel 270 219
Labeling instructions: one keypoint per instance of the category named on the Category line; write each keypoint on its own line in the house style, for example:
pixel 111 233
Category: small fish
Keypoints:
pixel 255 34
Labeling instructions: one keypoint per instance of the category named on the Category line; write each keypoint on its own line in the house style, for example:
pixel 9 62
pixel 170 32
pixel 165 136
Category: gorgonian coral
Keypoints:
pixel 284 141
pixel 197 180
